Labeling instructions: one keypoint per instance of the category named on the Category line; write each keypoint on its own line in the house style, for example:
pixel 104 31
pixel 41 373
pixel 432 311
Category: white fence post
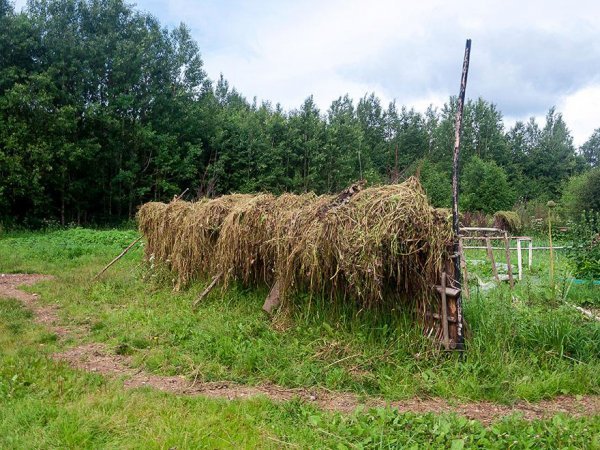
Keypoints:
pixel 520 258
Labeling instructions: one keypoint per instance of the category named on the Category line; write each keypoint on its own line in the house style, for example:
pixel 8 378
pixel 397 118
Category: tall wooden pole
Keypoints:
pixel 455 161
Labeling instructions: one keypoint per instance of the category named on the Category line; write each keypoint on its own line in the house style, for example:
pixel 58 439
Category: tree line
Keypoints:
pixel 102 108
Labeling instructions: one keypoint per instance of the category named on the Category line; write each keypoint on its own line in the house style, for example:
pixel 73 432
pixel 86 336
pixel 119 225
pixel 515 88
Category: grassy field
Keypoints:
pixel 528 346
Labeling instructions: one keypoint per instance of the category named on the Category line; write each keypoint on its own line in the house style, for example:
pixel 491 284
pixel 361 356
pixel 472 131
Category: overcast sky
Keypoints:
pixel 527 55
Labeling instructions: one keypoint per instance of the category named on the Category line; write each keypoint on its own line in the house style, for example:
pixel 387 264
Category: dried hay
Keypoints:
pixel 381 246
pixel 507 220
pixel 197 235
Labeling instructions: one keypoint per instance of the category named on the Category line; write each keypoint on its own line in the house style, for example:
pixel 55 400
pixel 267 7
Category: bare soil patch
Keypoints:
pixel 43 314
pixel 98 358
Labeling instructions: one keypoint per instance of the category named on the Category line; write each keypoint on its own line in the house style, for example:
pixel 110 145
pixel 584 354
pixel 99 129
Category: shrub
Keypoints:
pixel 485 187
pixel 582 193
pixel 585 251
pixel 437 183
pixel 474 219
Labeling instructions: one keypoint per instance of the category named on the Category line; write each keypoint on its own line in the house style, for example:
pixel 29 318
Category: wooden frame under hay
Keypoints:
pixel 380 247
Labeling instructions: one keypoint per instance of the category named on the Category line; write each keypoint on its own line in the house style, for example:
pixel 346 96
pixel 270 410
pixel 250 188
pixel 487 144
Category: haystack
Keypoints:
pixel 378 246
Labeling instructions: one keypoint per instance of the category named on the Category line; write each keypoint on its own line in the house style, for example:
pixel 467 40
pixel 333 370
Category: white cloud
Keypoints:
pixel 19 4
pixel 581 111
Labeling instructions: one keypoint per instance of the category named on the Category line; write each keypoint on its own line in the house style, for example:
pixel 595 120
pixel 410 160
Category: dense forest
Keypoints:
pixel 102 109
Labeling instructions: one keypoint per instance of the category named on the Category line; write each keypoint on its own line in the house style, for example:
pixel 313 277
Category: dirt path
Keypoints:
pixel 98 358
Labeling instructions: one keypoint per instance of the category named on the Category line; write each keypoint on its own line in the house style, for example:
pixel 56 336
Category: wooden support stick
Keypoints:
pixel 445 313
pixel 273 299
pixel 491 256
pixel 463 265
pixel 209 288
pixel 129 247
pixel 508 263
pixel 177 197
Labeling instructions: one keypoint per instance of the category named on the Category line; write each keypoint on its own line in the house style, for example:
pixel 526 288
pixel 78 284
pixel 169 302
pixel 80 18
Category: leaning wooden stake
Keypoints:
pixel 273 300
pixel 455 224
pixel 129 247
pixel 445 313
pixel 209 288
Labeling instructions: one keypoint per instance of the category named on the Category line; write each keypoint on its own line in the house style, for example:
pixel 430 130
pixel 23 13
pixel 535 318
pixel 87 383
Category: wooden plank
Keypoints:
pixel 478 247
pixel 445 313
pixel 437 316
pixel 482 238
pixel 496 230
pixel 491 256
pixel 463 265
pixel 449 291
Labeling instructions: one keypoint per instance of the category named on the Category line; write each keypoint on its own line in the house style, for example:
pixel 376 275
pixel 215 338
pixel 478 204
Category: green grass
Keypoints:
pixel 528 349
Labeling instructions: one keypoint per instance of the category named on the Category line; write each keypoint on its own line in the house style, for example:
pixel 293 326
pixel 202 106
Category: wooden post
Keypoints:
pixel 455 169
pixel 530 247
pixel 519 259
pixel 463 265
pixel 507 247
pixel 445 313
pixel 490 253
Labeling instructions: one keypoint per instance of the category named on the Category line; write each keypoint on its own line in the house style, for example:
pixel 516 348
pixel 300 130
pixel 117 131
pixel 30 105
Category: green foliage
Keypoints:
pixel 485 187
pixel 590 150
pixel 103 109
pixel 437 182
pixel 582 193
pixel 585 250
pixel 387 428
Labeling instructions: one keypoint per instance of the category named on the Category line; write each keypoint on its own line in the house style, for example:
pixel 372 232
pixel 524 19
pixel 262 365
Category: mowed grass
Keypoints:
pixel 533 348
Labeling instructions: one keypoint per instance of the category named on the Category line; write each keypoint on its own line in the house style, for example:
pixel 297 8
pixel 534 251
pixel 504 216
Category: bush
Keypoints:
pixel 437 183
pixel 585 250
pixel 474 219
pixel 485 187
pixel 582 193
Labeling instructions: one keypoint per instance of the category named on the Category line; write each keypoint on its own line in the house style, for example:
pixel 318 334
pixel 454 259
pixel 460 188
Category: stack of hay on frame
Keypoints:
pixel 383 246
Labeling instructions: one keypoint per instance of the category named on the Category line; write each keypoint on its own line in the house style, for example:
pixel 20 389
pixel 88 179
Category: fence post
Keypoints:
pixel 455 224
